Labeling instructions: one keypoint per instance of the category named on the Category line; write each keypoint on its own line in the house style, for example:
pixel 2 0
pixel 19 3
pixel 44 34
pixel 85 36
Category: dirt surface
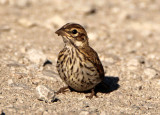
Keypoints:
pixel 125 34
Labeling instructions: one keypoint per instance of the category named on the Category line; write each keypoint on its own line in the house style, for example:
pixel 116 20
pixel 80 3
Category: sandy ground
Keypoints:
pixel 125 34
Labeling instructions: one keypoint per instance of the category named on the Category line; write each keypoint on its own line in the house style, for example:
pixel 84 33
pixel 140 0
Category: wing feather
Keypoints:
pixel 92 56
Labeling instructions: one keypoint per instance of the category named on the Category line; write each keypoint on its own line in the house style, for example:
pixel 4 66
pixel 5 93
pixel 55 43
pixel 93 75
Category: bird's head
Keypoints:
pixel 73 34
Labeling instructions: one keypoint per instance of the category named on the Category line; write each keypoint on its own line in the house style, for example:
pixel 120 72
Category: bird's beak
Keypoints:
pixel 61 32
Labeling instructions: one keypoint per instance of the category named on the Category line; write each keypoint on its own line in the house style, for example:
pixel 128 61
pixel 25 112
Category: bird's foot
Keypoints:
pixel 93 93
pixel 62 90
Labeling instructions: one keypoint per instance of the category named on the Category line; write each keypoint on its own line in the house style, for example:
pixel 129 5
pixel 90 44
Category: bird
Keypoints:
pixel 78 64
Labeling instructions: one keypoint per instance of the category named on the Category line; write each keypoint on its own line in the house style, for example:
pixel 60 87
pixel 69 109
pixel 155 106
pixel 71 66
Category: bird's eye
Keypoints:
pixel 74 31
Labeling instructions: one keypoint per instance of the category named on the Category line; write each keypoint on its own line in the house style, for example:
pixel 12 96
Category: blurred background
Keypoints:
pixel 125 34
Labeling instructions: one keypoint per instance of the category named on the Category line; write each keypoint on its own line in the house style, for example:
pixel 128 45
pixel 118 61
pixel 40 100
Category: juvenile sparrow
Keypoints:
pixel 78 64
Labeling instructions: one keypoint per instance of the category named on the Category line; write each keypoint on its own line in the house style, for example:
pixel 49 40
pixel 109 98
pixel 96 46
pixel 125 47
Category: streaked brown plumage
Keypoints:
pixel 78 64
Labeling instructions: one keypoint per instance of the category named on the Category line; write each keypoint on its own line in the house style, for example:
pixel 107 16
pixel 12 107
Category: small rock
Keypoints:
pixel 54 21
pixel 150 73
pixel 135 107
pixel 84 113
pixel 1 97
pixel 109 59
pixel 130 37
pixel 49 75
pixel 147 33
pixel 92 36
pixel 142 5
pixel 19 3
pixel 136 77
pixel 45 94
pixel 19 86
pixel 158 82
pixel 133 62
pixel 138 44
pixel 15 64
pixel 152 56
pixel 23 50
pixel 10 82
pixel 36 81
pixel 103 113
pixel 49 112
pixel 34 67
pixel 40 111
pixel 115 10
pixel 26 23
pixel 3 1
pixel 132 68
pixel 91 11
pixel 36 56
pixel 140 59
pixel 138 86
pixel 5 28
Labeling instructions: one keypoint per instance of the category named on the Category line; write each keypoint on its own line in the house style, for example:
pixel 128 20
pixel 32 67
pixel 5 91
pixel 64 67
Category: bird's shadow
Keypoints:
pixel 109 84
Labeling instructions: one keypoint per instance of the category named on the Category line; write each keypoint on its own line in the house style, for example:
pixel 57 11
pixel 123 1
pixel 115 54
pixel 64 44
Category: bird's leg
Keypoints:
pixel 62 90
pixel 93 93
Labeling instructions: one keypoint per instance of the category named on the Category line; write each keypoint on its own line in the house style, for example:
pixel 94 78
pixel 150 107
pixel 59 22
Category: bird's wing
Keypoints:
pixel 92 56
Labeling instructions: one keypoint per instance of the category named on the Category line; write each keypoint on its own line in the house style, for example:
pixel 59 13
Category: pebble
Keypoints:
pixel 49 112
pixel 133 62
pixel 10 82
pixel 130 37
pixel 45 94
pixel 3 1
pixel 150 73
pixel 103 113
pixel 140 59
pixel 109 59
pixel 92 36
pixel 18 86
pixel 84 113
pixel 26 23
pixel 158 82
pixel 19 3
pixel 39 111
pixel 36 81
pixel 115 10
pixel 50 73
pixel 36 56
pixel 5 28
pixel 138 44
pixel 50 78
pixel 1 97
pixel 54 21
pixel 147 33
pixel 138 86
pixel 153 56
pixel 142 5
pixel 15 64
pixel 91 11
pixel 10 111
pixel 34 67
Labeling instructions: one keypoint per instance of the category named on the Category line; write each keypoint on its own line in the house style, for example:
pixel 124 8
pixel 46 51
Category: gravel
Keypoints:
pixel 45 94
pixel 125 35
